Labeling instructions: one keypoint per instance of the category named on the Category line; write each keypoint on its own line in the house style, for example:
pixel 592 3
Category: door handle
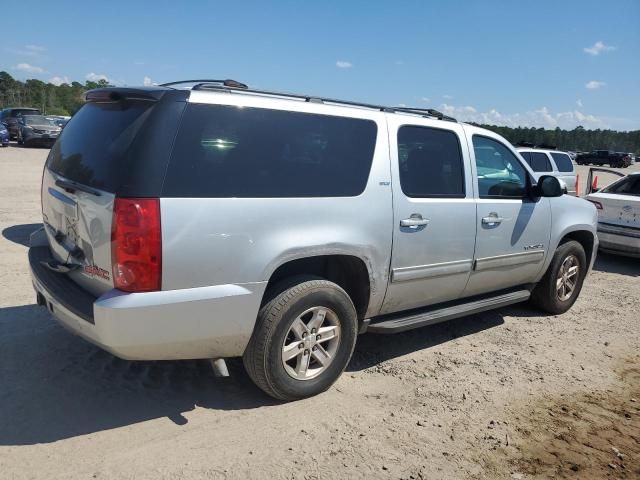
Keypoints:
pixel 492 219
pixel 414 221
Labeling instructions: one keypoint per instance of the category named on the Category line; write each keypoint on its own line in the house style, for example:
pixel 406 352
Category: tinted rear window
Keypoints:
pixel 225 151
pixel 95 143
pixel 24 111
pixel 563 161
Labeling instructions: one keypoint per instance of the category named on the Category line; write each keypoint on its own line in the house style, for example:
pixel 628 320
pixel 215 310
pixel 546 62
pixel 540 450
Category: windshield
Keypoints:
pixel 38 120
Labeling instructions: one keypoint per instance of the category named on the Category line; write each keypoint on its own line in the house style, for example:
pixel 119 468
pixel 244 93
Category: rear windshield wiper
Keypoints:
pixel 71 187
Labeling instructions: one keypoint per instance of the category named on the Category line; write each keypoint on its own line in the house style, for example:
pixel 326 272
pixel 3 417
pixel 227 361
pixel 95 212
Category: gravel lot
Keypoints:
pixel 506 394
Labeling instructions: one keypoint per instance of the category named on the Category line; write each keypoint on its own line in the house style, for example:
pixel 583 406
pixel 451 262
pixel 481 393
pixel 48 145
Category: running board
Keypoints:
pixel 399 323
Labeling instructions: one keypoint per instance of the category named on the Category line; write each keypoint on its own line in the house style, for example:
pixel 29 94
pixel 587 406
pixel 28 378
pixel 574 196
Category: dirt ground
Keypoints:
pixel 506 394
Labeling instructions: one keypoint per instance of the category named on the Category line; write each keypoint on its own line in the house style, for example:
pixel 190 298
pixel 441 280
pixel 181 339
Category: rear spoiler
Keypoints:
pixel 590 187
pixel 117 94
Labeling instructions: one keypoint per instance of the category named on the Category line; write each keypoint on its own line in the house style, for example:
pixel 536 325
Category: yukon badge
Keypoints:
pixel 533 247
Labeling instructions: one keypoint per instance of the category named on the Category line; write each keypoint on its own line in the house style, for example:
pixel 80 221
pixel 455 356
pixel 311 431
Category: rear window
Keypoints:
pixel 24 111
pixel 563 161
pixel 225 151
pixel 95 142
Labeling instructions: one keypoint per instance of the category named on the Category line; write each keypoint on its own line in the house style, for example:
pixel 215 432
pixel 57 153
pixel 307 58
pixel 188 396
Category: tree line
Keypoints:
pixel 66 99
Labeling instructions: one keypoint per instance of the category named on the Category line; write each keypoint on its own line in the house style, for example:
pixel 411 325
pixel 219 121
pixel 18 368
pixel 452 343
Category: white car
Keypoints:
pixel 618 208
pixel 551 162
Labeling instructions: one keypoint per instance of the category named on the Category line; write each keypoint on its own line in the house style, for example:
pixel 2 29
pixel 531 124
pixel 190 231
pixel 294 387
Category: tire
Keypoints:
pixel 547 296
pixel 264 357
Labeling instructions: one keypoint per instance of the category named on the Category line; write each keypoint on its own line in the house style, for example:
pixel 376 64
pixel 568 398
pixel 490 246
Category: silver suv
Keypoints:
pixel 552 162
pixel 219 221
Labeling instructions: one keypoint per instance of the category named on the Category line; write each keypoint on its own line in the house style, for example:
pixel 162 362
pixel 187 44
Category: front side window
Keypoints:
pixel 500 174
pixel 430 162
pixel 563 162
pixel 226 151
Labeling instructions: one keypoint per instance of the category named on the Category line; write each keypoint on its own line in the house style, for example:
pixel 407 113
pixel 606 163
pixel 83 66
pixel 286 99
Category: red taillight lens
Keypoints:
pixel 597 204
pixel 136 244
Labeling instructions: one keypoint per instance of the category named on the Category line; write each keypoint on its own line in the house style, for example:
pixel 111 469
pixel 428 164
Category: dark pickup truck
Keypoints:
pixel 604 157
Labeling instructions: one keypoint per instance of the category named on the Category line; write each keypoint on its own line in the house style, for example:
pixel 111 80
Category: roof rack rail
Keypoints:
pixel 231 85
pixel 430 112
pixel 199 83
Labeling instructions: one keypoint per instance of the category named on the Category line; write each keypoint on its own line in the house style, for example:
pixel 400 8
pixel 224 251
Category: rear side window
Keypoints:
pixel 563 161
pixel 538 161
pixel 226 151
pixel 430 162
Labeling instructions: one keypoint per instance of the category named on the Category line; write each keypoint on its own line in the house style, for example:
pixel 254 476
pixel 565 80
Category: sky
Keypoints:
pixel 542 63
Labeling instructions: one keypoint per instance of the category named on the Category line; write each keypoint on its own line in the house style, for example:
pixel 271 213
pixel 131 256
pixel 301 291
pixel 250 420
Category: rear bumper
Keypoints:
pixel 204 322
pixel 619 240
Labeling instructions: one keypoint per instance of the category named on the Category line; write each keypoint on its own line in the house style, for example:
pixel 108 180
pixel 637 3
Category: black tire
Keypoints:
pixel 263 357
pixel 545 295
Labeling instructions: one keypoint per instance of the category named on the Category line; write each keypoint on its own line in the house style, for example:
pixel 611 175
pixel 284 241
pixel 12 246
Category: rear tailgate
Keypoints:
pixel 116 145
pixel 621 210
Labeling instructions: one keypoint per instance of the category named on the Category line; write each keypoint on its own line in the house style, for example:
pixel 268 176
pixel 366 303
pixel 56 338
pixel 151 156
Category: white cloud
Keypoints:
pixel 343 64
pixel 594 84
pixel 96 77
pixel 426 99
pixel 598 48
pixel 148 82
pixel 542 117
pixel 399 62
pixel 57 81
pixel 25 67
pixel 579 103
pixel 447 97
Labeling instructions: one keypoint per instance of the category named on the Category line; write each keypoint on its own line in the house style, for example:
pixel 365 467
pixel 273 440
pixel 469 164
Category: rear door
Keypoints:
pixel 513 230
pixel 434 213
pixel 110 147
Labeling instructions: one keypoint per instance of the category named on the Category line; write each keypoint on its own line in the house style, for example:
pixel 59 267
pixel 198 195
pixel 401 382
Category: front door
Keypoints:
pixel 513 229
pixel 434 213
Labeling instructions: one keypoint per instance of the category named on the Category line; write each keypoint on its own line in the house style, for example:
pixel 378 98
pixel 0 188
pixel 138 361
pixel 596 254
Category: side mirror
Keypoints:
pixel 549 186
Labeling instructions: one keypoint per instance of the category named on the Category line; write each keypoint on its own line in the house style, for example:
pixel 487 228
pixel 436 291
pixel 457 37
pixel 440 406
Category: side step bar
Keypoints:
pixel 402 322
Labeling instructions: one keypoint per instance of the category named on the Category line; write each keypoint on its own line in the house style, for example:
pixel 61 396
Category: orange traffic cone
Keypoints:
pixel 594 185
pixel 577 184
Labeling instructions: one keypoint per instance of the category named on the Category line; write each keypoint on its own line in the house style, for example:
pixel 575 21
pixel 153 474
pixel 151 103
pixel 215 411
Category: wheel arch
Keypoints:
pixel 349 271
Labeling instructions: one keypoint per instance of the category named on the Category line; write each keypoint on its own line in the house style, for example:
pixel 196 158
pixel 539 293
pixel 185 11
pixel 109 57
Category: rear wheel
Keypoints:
pixel 559 288
pixel 303 340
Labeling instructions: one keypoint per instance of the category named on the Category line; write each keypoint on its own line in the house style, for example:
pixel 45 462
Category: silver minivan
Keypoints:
pixel 219 221
pixel 551 162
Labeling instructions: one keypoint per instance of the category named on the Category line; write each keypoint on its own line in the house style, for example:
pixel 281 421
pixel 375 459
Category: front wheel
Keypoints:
pixel 559 288
pixel 303 340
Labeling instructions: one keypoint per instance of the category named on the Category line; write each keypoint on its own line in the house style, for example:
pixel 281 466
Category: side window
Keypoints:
pixel 430 162
pixel 563 161
pixel 539 162
pixel 627 186
pixel 500 174
pixel 223 151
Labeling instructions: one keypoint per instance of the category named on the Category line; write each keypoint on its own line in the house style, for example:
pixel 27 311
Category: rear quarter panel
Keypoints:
pixel 215 241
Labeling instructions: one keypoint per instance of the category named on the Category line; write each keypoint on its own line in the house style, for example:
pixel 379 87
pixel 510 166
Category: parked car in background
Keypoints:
pixel 4 135
pixel 605 157
pixel 59 120
pixel 219 221
pixel 37 130
pixel 551 162
pixel 10 116
pixel 618 208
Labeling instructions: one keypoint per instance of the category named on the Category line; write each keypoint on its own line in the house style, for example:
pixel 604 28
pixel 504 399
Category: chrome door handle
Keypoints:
pixel 414 221
pixel 492 219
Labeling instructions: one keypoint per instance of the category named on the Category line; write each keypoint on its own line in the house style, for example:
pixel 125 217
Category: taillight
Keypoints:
pixel 136 244
pixel 597 204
